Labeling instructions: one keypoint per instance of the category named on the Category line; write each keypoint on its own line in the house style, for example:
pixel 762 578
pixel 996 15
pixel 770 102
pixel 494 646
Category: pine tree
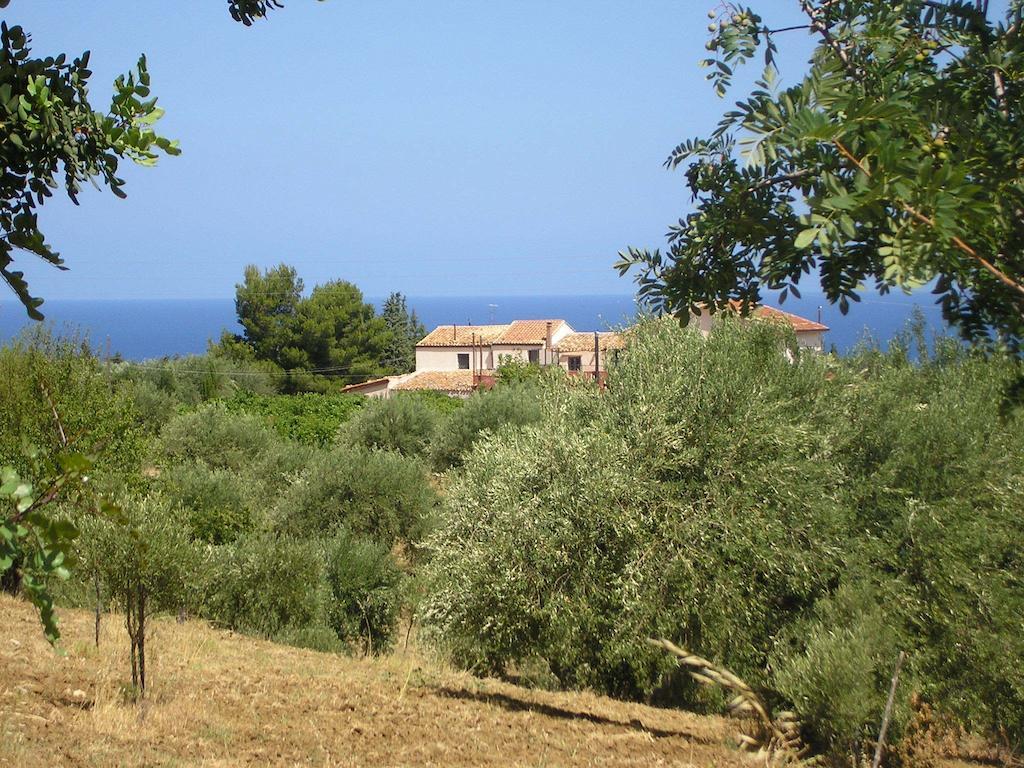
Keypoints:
pixel 405 330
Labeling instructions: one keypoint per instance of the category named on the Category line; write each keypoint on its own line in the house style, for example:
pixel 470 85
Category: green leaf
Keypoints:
pixel 805 238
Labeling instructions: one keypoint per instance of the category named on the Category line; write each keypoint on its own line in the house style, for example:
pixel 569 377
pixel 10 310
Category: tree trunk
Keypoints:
pixel 142 639
pixel 129 620
pixel 99 604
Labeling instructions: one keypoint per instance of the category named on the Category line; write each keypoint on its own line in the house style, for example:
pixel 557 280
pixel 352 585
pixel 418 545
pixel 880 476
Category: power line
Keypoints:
pixel 333 371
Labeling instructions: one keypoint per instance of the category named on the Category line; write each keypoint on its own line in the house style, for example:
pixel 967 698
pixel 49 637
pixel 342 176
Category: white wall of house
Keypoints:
pixel 560 333
pixel 587 359
pixel 447 358
pixel 811 340
pixel 517 352
pixel 805 339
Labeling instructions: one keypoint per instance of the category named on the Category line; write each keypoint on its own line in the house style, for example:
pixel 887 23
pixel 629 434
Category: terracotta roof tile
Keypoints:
pixel 461 335
pixel 771 313
pixel 528 332
pixel 442 381
pixel 798 323
pixel 584 342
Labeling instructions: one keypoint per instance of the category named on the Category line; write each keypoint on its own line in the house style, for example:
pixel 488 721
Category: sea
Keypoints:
pixel 140 329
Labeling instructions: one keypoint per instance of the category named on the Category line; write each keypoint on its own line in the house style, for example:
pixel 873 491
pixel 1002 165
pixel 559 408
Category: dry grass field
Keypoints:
pixel 219 699
pixel 222 699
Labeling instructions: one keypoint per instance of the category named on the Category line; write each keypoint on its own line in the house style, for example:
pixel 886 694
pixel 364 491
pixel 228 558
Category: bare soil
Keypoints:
pixel 221 699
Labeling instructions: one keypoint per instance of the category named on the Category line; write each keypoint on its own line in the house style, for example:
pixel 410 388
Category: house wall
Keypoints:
pixel 447 358
pixel 805 339
pixel 586 359
pixel 516 352
pixel 377 389
pixel 560 333
pixel 811 340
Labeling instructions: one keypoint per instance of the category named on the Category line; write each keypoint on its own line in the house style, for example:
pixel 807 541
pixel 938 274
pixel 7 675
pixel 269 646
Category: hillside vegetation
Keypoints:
pixel 800 520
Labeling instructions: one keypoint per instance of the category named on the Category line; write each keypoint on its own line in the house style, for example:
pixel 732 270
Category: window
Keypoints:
pixel 534 356
pixel 575 363
pixel 464 361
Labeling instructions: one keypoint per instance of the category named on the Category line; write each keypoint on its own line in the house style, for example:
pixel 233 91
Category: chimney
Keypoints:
pixel 455 335
pixel 547 337
pixel 597 358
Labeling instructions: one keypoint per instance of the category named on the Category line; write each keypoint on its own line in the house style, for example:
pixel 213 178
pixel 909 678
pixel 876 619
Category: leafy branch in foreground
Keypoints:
pixel 48 128
pixel 771 737
pixel 894 162
pixel 33 540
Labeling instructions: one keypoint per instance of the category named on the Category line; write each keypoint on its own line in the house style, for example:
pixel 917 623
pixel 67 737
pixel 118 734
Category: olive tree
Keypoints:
pixel 145 561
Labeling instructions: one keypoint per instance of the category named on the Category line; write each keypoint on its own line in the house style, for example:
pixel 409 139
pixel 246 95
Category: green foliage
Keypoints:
pixel 406 425
pixel 376 494
pixel 196 379
pixel 309 418
pixel 894 161
pixel 316 637
pixel 267 306
pixel 226 470
pixel 143 546
pixel 757 511
pixel 515 370
pixel 146 562
pixel 443 404
pixel 35 543
pixel 405 331
pixel 332 594
pixel 484 411
pixel 332 332
pixel 366 590
pixel 266 585
pixel 50 128
pixel 43 377
pixel 153 405
pixel 218 438
pixel 836 669
pixel 218 504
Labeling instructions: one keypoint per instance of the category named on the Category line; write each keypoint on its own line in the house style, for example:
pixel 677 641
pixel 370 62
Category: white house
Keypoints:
pixel 809 334
pixel 457 359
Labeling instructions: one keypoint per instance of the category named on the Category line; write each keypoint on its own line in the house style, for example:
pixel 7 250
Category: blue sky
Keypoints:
pixel 442 148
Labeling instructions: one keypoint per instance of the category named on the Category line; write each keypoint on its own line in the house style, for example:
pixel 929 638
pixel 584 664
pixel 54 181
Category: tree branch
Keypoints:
pixel 819 26
pixel 985 263
pixel 795 175
pixel 766 31
pixel 997 80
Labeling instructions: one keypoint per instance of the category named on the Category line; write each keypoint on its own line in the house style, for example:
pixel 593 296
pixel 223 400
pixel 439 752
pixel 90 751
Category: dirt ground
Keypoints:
pixel 220 699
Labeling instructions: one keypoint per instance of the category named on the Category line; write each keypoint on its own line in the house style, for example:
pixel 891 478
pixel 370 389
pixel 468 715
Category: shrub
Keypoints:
pixel 195 379
pixel 725 497
pixel 378 494
pixel 439 401
pixel 145 562
pixel 402 424
pixel 40 373
pixel 617 516
pixel 517 404
pixel 316 637
pixel 366 587
pixel 154 406
pixel 217 503
pixel 836 669
pixel 215 437
pixel 309 418
pixel 266 585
